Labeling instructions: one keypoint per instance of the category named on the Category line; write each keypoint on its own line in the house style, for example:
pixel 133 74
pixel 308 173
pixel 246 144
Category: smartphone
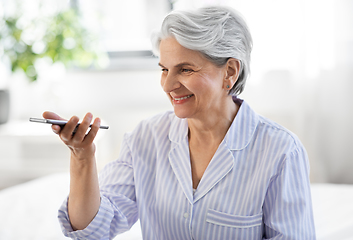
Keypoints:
pixel 61 123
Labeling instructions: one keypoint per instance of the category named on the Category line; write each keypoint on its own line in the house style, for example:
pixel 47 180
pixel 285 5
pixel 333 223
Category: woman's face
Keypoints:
pixel 194 85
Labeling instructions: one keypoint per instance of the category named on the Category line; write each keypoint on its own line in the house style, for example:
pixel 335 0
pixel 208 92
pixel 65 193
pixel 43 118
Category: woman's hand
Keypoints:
pixel 84 197
pixel 80 143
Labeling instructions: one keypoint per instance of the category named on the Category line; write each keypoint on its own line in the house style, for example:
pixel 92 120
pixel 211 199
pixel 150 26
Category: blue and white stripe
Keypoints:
pixel 255 187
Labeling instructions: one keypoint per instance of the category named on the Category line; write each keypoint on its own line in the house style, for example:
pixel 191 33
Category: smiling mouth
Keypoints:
pixel 182 98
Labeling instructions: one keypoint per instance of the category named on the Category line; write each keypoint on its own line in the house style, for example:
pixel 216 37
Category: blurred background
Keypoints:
pixel 72 57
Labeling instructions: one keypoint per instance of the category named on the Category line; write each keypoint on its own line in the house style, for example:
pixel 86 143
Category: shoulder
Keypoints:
pixel 262 133
pixel 274 128
pixel 253 131
pixel 280 146
pixel 277 134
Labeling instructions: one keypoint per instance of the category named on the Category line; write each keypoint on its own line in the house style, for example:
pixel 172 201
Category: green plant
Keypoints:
pixel 60 37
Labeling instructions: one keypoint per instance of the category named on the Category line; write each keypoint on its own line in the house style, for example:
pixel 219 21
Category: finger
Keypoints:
pixel 82 128
pixel 56 128
pixel 66 132
pixel 51 115
pixel 93 132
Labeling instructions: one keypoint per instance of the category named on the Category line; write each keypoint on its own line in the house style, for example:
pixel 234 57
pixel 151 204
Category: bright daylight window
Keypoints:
pixel 124 25
pixel 122 28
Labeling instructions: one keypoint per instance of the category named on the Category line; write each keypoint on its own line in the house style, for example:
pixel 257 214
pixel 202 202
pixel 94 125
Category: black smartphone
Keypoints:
pixel 57 122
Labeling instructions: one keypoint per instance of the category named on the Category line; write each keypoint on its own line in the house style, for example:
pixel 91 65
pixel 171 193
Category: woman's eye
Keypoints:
pixel 185 70
pixel 164 70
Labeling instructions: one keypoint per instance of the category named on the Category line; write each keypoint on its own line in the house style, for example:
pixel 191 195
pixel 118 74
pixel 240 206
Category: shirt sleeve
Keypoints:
pixel 118 210
pixel 287 207
pixel 97 229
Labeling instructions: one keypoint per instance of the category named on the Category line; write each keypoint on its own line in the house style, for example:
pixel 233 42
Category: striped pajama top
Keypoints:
pixel 255 187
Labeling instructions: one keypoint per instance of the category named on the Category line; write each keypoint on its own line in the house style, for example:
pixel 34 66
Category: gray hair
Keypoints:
pixel 219 33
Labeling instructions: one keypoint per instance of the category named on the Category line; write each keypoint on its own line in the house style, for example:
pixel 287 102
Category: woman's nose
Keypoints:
pixel 169 82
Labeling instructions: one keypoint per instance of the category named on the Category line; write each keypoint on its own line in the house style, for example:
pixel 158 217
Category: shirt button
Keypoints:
pixel 186 215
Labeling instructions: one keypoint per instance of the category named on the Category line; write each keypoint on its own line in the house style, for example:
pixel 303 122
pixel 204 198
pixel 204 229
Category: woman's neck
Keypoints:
pixel 212 128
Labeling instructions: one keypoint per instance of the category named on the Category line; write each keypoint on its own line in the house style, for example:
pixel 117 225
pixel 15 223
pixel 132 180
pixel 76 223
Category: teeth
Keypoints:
pixel 182 98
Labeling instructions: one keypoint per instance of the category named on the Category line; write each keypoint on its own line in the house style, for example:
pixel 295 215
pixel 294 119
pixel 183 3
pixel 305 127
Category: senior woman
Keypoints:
pixel 210 169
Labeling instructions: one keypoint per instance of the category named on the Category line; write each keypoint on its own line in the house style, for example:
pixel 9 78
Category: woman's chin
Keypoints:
pixel 181 114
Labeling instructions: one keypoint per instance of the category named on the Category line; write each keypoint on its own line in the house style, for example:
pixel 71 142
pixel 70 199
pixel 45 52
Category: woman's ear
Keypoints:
pixel 232 72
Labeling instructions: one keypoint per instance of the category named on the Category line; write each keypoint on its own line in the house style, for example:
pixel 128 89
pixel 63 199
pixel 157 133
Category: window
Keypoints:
pixel 124 29
pixel 124 25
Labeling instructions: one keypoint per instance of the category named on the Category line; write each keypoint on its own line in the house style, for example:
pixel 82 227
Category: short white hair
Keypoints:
pixel 219 33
